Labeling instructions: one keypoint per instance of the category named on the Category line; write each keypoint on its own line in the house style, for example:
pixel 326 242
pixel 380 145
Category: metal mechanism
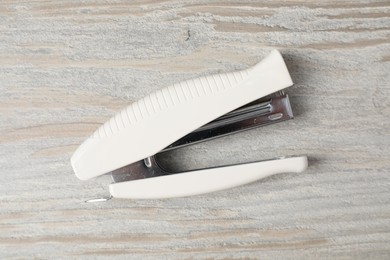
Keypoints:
pixel 268 110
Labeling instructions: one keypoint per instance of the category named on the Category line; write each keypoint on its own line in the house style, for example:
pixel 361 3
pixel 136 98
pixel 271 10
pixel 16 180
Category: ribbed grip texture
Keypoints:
pixel 168 97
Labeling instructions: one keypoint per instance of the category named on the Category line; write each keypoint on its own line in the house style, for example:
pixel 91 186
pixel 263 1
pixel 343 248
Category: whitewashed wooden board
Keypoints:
pixel 68 66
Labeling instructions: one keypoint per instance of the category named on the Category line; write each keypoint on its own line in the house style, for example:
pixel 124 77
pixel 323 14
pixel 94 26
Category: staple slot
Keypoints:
pixel 273 109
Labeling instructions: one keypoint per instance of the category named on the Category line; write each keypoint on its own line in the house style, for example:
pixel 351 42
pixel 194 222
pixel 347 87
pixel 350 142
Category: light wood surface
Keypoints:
pixel 68 66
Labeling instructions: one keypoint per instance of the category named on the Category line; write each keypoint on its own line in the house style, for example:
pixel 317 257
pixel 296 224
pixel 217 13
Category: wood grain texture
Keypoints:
pixel 68 66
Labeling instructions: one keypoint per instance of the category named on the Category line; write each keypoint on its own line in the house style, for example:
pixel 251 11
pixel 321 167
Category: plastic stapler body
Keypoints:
pixel 188 112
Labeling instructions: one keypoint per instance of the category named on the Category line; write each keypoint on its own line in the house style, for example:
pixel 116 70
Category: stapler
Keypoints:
pixel 185 113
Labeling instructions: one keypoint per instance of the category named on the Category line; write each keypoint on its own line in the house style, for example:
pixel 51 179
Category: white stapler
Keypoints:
pixel 185 113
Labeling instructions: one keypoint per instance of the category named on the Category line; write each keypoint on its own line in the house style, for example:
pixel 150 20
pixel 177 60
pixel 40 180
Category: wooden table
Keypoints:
pixel 68 66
